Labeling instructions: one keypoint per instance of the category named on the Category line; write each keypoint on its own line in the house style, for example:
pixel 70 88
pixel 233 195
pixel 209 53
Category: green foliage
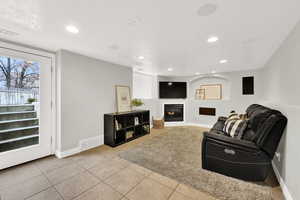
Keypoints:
pixel 31 100
pixel 137 102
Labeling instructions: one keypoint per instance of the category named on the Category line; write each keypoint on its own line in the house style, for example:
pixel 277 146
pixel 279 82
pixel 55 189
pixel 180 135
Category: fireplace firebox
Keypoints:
pixel 174 112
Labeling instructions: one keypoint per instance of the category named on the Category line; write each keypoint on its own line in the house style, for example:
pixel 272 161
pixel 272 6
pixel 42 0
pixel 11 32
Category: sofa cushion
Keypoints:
pixel 235 127
pixel 248 135
pixel 258 116
pixel 255 109
pixel 218 126
pixel 257 121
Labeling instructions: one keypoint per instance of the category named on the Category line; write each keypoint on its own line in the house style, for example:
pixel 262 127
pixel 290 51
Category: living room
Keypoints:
pixel 149 100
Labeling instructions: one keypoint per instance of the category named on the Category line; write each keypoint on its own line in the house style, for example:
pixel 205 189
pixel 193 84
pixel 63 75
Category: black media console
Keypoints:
pixel 120 128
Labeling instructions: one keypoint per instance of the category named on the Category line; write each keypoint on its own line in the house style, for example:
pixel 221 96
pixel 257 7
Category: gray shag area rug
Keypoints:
pixel 176 153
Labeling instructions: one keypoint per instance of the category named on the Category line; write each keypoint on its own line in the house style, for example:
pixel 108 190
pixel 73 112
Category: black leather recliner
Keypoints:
pixel 248 157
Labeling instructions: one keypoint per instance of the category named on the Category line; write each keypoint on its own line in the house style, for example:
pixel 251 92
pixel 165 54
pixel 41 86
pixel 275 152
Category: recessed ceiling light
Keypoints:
pixel 207 9
pixel 134 21
pixel 212 39
pixel 170 69
pixel 141 57
pixel 197 73
pixel 213 71
pixel 72 29
pixel 223 61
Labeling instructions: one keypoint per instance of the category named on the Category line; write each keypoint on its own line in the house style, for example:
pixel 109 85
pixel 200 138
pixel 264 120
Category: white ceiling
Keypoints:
pixel 168 33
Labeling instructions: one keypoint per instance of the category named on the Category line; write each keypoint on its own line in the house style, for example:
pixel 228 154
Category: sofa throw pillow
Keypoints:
pixel 235 126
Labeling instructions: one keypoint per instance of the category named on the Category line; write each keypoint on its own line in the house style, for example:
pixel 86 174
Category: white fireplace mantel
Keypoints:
pixel 181 123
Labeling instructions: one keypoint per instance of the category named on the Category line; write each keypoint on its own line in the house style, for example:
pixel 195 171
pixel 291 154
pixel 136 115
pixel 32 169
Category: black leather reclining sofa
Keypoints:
pixel 248 158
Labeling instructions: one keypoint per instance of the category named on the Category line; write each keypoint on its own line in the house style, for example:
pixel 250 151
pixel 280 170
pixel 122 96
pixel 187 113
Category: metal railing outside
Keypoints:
pixel 16 96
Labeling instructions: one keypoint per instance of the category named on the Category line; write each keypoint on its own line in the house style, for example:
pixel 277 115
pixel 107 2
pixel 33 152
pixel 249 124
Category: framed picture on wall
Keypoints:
pixel 200 94
pixel 212 91
pixel 123 98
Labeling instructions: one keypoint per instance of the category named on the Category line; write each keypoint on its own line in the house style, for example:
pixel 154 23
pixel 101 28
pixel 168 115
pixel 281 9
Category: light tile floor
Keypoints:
pixel 98 174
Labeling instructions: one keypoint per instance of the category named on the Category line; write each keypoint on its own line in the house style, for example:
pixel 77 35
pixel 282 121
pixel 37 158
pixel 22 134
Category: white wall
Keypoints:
pixel 232 95
pixel 233 99
pixel 87 90
pixel 144 86
pixel 282 91
pixel 207 80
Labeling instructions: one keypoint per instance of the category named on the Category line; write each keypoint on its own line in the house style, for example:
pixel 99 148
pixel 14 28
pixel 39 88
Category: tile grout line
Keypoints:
pixel 163 183
pixel 148 176
pixel 206 193
pixel 108 176
pixel 171 194
pixel 53 186
pixel 50 185
pixel 124 195
pixel 86 189
pixel 58 193
pixel 41 174
pixel 78 165
pixel 100 180
pixel 145 177
pixel 34 176
pixel 72 162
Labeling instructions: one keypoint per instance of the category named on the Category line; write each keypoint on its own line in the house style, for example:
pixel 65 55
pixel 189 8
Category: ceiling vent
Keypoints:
pixel 8 32
pixel 207 9
pixel 136 21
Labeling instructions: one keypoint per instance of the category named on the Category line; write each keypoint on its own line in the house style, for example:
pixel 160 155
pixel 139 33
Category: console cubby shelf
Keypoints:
pixel 120 128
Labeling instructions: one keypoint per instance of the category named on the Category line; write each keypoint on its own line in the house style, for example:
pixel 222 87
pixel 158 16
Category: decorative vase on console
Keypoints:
pixel 135 103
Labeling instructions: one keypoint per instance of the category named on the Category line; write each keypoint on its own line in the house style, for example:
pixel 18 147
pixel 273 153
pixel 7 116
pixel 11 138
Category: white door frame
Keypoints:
pixel 51 55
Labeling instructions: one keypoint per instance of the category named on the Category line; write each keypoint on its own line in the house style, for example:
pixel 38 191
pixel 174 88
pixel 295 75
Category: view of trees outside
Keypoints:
pixel 19 81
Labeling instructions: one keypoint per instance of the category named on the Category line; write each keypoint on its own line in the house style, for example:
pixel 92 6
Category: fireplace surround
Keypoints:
pixel 174 112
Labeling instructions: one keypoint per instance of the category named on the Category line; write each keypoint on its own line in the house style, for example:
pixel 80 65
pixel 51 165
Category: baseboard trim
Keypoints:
pixel 83 145
pixel 283 186
pixel 170 124
pixel 175 124
pixel 199 125
pixel 67 153
pixel 91 142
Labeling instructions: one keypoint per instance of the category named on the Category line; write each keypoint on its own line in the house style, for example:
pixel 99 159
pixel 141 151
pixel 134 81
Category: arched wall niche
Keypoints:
pixel 210 79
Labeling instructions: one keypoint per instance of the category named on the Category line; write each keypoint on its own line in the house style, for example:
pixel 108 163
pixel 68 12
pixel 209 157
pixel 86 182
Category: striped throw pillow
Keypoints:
pixel 235 127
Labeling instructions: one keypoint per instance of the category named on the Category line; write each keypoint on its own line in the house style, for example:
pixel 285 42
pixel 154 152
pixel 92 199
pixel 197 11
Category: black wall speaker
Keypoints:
pixel 248 85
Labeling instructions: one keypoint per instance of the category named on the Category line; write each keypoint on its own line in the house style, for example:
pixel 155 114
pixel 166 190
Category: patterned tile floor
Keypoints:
pixel 97 174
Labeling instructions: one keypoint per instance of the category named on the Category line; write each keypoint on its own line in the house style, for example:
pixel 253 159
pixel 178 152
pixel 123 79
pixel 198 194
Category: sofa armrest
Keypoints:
pixel 224 139
pixel 222 119
pixel 215 131
pixel 234 157
pixel 218 127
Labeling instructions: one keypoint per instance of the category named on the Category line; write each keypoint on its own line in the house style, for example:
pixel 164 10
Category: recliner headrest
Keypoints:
pixel 255 109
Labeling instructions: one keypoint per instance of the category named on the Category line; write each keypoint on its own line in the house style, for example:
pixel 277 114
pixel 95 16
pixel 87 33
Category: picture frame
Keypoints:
pixel 123 97
pixel 212 91
pixel 200 94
